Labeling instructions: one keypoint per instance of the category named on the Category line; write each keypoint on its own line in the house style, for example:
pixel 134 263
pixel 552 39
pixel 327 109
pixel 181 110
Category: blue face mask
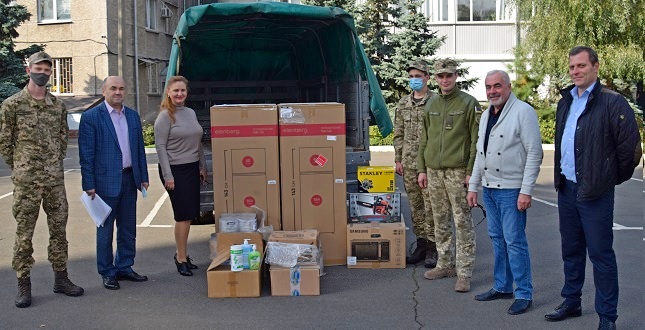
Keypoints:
pixel 416 84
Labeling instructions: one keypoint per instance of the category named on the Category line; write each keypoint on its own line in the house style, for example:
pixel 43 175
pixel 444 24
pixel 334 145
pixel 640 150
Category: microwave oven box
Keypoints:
pixel 246 170
pixel 376 245
pixel 313 173
pixel 376 179
pixel 224 283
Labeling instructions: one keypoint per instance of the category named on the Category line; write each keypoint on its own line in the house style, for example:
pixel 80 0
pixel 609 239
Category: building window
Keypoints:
pixel 54 11
pixel 437 10
pixel 153 78
pixel 151 14
pixel 61 79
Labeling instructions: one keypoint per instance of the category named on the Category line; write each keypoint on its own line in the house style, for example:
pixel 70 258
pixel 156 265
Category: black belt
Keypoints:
pixel 126 170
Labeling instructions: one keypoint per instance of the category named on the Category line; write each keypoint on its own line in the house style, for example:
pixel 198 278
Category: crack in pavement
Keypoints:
pixel 414 296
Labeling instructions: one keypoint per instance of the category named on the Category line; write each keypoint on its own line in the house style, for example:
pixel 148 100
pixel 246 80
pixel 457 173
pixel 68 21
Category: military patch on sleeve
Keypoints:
pixel 478 109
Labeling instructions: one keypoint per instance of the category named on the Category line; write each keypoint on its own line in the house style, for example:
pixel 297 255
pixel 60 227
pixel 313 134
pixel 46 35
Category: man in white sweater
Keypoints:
pixel 509 154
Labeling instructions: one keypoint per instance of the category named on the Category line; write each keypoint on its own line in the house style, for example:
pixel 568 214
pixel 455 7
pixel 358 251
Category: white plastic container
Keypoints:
pixel 237 264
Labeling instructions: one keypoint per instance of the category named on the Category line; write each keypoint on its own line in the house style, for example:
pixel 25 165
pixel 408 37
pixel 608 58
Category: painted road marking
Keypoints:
pixel 6 195
pixel 545 202
pixel 153 212
pixel 615 227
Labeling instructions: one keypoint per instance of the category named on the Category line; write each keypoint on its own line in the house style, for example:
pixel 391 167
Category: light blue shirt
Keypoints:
pixel 121 127
pixel 567 150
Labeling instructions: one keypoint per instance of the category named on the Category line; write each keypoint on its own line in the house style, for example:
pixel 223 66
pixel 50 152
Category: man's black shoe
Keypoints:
pixel 133 276
pixel 110 283
pixel 563 311
pixel 606 324
pixel 520 306
pixel 492 294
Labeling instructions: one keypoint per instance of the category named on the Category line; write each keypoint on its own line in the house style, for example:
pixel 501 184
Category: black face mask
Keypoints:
pixel 40 79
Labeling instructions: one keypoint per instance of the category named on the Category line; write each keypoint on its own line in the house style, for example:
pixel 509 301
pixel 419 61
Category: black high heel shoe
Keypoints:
pixel 188 261
pixel 182 268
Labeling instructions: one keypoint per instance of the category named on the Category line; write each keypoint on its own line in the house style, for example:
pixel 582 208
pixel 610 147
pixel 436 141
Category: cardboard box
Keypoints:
pixel 305 236
pixel 245 159
pixel 224 283
pixel 376 245
pixel 369 207
pixel 295 281
pixel 313 173
pixel 376 179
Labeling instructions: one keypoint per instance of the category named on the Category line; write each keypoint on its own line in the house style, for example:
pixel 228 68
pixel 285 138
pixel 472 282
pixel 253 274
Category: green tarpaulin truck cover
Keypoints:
pixel 274 41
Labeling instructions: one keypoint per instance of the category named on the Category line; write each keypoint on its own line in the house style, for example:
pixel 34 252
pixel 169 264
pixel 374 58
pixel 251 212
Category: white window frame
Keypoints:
pixel 54 12
pixel 439 14
pixel 151 15
pixel 59 70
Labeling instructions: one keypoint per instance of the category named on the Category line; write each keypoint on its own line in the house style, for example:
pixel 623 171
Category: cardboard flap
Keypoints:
pixel 221 257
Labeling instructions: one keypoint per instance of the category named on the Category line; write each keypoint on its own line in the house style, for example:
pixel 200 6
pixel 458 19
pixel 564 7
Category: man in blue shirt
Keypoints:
pixel 597 146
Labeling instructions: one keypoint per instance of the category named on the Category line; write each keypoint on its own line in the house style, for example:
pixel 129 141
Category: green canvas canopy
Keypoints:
pixel 273 41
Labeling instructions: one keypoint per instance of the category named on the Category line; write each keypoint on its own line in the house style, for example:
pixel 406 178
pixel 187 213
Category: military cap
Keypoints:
pixel 419 65
pixel 445 65
pixel 40 57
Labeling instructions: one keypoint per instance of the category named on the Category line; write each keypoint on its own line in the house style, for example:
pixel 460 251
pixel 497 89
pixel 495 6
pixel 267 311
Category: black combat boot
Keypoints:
pixel 431 255
pixel 62 284
pixel 23 299
pixel 419 253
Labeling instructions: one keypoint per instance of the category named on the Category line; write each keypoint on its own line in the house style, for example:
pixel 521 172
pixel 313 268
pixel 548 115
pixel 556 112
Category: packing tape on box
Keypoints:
pixel 232 284
pixel 294 280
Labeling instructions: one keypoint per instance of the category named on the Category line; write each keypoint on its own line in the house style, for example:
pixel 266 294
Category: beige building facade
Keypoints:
pixel 90 40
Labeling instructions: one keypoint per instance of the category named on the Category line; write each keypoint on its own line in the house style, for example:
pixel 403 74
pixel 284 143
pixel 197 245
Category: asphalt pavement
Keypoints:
pixel 350 298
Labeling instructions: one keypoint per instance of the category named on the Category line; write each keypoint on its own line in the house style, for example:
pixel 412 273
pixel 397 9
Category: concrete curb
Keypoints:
pixel 548 147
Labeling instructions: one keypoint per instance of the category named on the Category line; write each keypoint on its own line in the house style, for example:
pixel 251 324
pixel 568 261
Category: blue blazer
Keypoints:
pixel 100 154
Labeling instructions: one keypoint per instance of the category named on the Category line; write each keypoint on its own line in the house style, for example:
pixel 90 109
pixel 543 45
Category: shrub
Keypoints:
pixel 148 135
pixel 377 140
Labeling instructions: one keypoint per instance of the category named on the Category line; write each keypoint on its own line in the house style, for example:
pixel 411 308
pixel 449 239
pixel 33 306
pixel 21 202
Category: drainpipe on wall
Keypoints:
pixel 136 58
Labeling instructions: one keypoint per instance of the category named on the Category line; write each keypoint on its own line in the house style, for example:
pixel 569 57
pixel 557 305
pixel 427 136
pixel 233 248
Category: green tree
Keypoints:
pixel 613 28
pixel 12 62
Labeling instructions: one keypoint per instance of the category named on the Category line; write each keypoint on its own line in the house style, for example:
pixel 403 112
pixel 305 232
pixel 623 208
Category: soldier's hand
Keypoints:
pixel 471 198
pixel 423 180
pixel 399 168
pixel 91 193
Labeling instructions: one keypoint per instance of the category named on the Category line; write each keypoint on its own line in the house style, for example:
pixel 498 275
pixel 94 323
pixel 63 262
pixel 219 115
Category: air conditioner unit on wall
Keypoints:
pixel 165 11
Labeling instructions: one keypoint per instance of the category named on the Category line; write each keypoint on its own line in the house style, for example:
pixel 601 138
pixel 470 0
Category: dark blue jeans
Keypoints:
pixel 586 226
pixel 506 228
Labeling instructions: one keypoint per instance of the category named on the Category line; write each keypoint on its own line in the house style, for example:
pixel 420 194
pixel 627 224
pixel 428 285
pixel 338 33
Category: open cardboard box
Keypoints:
pixel 224 283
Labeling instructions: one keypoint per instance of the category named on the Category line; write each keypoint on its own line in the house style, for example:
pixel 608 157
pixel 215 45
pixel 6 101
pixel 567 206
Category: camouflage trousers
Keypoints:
pixel 422 221
pixel 26 206
pixel 448 198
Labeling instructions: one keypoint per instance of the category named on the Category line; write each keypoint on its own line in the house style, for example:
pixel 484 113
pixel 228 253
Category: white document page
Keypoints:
pixel 97 208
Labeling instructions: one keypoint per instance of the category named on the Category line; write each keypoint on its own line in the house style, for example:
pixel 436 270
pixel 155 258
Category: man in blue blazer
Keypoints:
pixel 113 165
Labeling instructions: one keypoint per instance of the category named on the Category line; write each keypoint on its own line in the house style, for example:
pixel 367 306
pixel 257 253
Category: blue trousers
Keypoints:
pixel 506 228
pixel 586 226
pixel 124 213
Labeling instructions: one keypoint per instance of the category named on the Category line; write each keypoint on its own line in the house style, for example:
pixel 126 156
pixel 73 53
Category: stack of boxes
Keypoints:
pixel 375 230
pixel 289 160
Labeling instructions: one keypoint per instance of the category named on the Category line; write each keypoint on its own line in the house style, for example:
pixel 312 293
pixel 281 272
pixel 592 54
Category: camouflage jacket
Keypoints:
pixel 408 127
pixel 33 138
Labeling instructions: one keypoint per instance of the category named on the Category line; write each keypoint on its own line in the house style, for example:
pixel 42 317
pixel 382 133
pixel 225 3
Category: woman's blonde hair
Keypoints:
pixel 167 103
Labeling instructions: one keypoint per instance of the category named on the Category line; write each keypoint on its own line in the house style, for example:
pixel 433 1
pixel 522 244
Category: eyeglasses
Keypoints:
pixel 472 215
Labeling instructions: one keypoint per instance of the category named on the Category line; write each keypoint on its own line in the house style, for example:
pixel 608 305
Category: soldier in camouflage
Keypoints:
pixel 408 127
pixel 446 156
pixel 33 142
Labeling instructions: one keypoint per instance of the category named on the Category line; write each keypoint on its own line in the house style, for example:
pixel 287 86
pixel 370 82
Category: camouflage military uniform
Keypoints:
pixel 33 142
pixel 408 127
pixel 447 153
